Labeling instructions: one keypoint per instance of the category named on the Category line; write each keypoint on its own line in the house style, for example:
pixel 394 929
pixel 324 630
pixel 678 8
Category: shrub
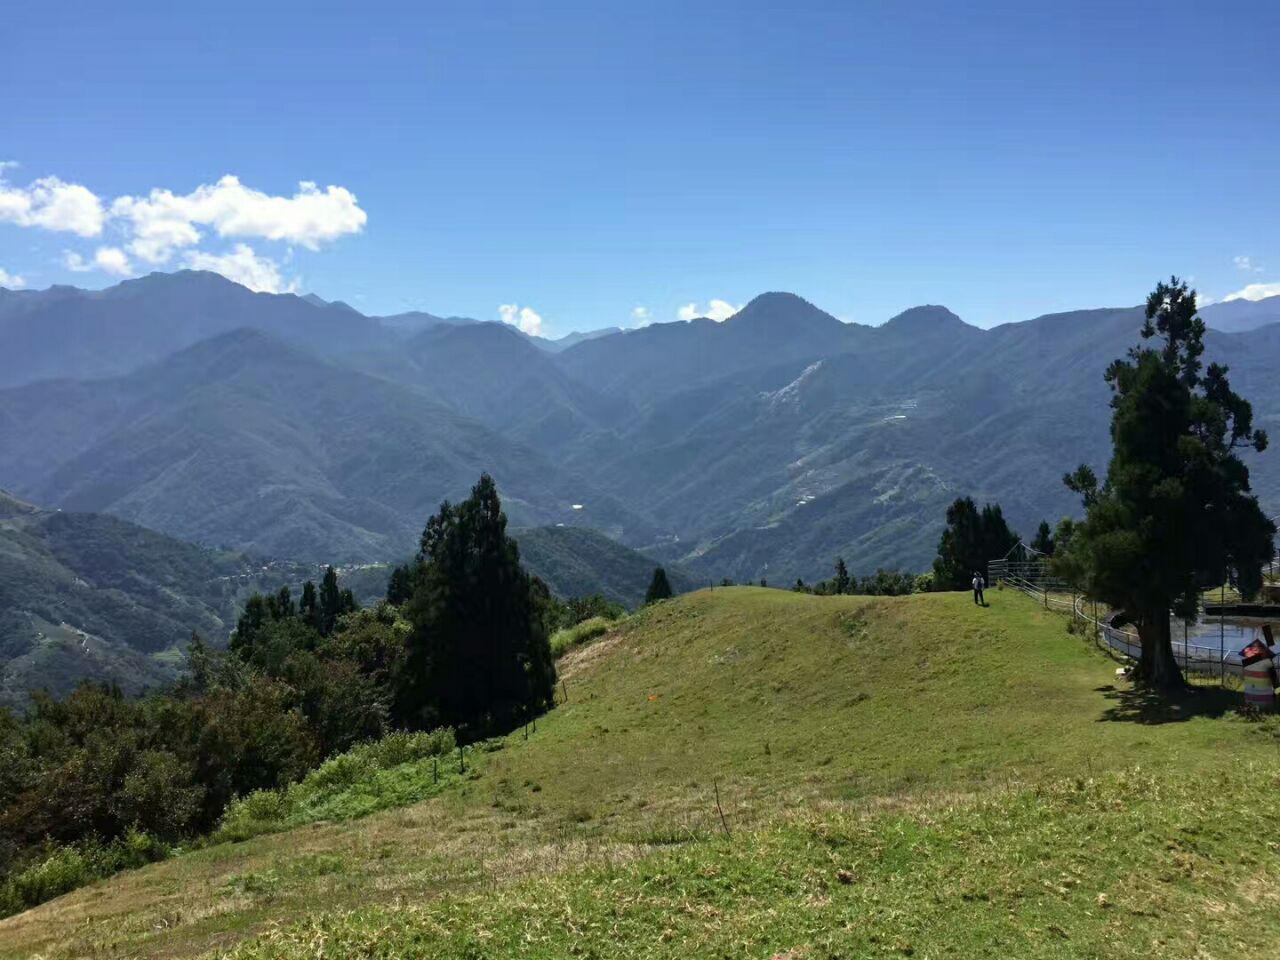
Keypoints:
pixel 63 868
pixel 369 777
pixel 562 641
pixel 404 747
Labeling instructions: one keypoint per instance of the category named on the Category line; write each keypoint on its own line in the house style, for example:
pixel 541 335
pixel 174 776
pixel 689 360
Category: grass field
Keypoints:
pixel 751 772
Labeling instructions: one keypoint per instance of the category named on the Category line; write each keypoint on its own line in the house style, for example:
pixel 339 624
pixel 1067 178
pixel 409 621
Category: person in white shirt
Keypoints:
pixel 978 584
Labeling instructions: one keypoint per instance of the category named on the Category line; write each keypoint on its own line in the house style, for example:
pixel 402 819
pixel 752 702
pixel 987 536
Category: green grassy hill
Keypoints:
pixel 750 773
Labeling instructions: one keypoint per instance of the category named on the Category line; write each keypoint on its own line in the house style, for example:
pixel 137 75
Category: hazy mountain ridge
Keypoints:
pixel 759 446
pixel 243 441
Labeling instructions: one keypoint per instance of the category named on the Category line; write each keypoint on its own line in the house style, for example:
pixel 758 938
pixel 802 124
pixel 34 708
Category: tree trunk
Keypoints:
pixel 1158 667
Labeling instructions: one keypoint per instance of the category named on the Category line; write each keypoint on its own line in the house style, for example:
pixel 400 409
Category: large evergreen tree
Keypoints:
pixel 330 601
pixel 1043 540
pixel 971 538
pixel 400 585
pixel 659 586
pixel 479 657
pixel 1175 513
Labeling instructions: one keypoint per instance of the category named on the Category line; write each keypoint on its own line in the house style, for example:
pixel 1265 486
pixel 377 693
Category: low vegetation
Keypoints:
pixel 894 773
pixel 399 769
pixel 241 739
pixel 566 638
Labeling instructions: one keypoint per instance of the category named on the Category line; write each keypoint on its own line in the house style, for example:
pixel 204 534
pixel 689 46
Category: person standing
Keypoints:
pixel 978 584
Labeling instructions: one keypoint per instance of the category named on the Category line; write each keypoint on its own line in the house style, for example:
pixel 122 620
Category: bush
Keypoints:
pixel 340 771
pixel 372 776
pixel 562 641
pixel 403 747
pixel 63 868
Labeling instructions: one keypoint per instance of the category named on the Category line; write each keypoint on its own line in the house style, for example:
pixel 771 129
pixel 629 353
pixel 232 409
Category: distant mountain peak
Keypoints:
pixel 927 318
pixel 783 312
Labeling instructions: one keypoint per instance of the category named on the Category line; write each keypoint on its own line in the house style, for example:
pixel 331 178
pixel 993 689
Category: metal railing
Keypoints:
pixel 1200 658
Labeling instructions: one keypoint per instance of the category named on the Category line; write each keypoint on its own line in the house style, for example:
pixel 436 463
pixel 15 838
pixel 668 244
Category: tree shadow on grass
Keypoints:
pixel 1139 705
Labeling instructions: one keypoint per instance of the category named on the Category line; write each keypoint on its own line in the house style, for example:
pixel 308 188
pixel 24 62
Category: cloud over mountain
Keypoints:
pixel 163 222
pixel 161 225
pixel 243 265
pixel 717 310
pixel 526 319
pixel 1254 291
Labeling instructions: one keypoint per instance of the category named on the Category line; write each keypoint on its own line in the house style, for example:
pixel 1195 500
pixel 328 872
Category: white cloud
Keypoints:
pixel 113 260
pixel 525 318
pixel 641 315
pixel 163 221
pixel 75 263
pixel 1246 264
pixel 245 267
pixel 717 310
pixel 52 204
pixel 1254 291
pixel 11 280
pixel 156 227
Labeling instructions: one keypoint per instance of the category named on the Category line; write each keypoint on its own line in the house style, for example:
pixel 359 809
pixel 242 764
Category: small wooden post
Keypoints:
pixel 462 764
pixel 435 768
pixel 723 822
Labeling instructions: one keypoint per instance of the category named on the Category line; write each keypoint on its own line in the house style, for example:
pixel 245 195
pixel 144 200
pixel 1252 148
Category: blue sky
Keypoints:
pixel 580 161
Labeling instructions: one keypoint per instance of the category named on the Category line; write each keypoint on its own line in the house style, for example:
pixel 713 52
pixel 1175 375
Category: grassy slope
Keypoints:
pixel 971 769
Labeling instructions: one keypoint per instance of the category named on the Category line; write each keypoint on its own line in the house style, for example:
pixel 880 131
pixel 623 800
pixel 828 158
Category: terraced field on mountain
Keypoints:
pixel 749 772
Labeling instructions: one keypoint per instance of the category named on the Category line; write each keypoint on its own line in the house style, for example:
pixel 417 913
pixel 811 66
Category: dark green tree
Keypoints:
pixel 1043 540
pixel 400 584
pixel 309 606
pixel 331 604
pixel 971 538
pixel 842 576
pixel 478 655
pixel 283 604
pixel 659 586
pixel 1175 513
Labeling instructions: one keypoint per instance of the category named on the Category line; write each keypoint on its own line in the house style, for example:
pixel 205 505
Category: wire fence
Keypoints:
pixel 1197 655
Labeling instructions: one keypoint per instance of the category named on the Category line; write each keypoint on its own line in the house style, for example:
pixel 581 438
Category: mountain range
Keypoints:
pixel 762 446
pixel 91 596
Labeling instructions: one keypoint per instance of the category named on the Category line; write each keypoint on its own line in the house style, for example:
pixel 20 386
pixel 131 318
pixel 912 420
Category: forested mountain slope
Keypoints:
pixel 89 596
pixel 245 442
